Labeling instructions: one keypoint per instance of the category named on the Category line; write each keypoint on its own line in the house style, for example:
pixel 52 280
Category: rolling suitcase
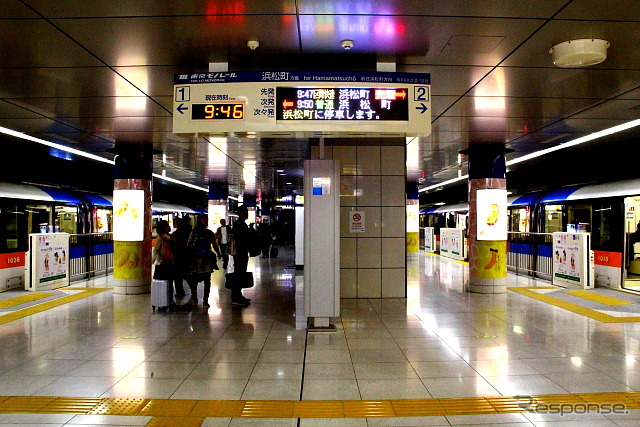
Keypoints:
pixel 161 294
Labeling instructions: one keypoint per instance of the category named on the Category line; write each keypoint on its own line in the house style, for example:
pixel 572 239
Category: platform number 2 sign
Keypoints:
pixel 421 93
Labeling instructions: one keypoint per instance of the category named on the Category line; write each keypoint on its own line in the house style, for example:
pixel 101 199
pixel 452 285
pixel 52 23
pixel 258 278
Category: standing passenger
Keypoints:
pixel 162 254
pixel 181 259
pixel 222 236
pixel 202 243
pixel 241 258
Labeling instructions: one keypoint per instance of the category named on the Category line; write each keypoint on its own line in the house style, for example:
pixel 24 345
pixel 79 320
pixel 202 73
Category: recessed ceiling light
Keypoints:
pixel 289 183
pixel 279 170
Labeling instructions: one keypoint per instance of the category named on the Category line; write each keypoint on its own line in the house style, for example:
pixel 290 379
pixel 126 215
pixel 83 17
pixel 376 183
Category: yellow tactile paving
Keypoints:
pixel 30 297
pixel 193 412
pixel 118 406
pixel 575 308
pixel 167 407
pixel 595 297
pixel 175 421
pixel 268 409
pixel 19 314
pixel 318 409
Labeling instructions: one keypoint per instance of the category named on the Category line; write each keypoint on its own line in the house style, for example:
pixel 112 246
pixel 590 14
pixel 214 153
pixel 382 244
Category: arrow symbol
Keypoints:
pixel 286 104
pixel 181 108
pixel 422 108
pixel 402 94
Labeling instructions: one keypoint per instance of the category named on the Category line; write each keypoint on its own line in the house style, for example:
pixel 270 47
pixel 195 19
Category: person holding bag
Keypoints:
pixel 202 243
pixel 239 249
pixel 162 255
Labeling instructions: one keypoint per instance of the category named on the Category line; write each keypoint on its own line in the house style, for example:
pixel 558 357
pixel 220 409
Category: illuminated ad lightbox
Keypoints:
pixel 491 209
pixel 128 215
pixel 284 102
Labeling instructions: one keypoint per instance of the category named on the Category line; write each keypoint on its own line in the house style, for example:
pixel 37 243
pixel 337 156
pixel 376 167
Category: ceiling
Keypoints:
pixel 69 70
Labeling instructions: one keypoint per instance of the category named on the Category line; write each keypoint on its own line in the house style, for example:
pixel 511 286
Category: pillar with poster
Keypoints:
pixel 132 222
pixel 488 220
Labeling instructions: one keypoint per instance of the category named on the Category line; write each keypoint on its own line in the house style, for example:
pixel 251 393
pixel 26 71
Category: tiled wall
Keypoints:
pixel 373 264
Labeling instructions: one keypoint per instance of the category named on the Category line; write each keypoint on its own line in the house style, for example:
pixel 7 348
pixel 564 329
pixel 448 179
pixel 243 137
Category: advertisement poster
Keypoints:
pixel 491 261
pixel 356 222
pixel 128 215
pixel 567 256
pixel 429 239
pixel 451 242
pixel 492 216
pixel 51 258
pixel 413 242
pixel 128 261
pixel 413 215
pixel 216 213
pixel 445 238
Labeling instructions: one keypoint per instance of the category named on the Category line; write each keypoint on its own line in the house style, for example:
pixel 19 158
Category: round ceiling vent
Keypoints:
pixel 579 53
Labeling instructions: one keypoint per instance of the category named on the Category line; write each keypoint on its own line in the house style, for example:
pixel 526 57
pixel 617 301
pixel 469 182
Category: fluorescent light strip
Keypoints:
pixel 61 147
pixel 451 181
pixel 577 141
pixel 54 145
pixel 176 181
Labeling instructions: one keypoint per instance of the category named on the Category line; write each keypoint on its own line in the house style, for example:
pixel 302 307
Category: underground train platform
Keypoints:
pixel 442 356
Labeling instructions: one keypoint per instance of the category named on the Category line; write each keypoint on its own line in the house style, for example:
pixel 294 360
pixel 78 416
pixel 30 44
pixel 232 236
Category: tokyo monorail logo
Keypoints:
pixel 529 404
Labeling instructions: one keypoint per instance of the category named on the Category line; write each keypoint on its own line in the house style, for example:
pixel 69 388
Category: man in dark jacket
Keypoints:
pixel 180 254
pixel 240 233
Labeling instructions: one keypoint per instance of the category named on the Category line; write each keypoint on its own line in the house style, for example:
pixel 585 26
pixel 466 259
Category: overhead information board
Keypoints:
pixel 302 104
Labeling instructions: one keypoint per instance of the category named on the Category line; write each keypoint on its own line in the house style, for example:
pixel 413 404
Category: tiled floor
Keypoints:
pixel 440 342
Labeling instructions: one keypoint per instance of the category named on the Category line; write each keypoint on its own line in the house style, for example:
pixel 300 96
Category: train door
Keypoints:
pixel 632 243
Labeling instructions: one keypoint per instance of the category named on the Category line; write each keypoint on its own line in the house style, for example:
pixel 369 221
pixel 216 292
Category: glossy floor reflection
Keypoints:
pixel 440 342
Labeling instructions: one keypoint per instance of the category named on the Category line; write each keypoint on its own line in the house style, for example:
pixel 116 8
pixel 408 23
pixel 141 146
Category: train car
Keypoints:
pixel 26 209
pixel 610 212
pixel 87 217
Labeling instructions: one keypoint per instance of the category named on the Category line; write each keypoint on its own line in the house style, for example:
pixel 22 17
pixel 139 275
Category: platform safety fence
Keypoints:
pixel 91 255
pixel 530 254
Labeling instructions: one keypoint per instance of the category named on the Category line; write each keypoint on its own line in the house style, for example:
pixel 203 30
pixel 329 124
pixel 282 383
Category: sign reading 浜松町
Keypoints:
pixel 303 103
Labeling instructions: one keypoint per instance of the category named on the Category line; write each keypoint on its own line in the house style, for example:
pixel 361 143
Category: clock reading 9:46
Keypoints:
pixel 218 111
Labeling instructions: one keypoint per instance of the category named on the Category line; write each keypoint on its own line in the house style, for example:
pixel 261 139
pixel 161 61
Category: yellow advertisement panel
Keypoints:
pixel 491 259
pixel 413 243
pixel 127 260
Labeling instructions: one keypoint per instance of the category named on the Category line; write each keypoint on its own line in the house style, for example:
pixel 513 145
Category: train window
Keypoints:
pixel 104 221
pixel 11 216
pixel 519 219
pixel 579 218
pixel 39 218
pixel 552 218
pixel 607 233
pixel 66 219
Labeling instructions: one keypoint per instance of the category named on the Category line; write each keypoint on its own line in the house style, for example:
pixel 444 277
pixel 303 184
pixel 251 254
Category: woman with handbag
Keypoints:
pixel 202 243
pixel 162 255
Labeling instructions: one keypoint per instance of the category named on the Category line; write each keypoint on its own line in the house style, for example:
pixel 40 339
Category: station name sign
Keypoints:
pixel 311 103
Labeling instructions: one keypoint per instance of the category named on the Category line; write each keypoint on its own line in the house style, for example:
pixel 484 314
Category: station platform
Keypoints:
pixel 439 357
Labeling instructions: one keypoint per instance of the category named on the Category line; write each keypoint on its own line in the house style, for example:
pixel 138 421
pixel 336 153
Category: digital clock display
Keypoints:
pixel 218 111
